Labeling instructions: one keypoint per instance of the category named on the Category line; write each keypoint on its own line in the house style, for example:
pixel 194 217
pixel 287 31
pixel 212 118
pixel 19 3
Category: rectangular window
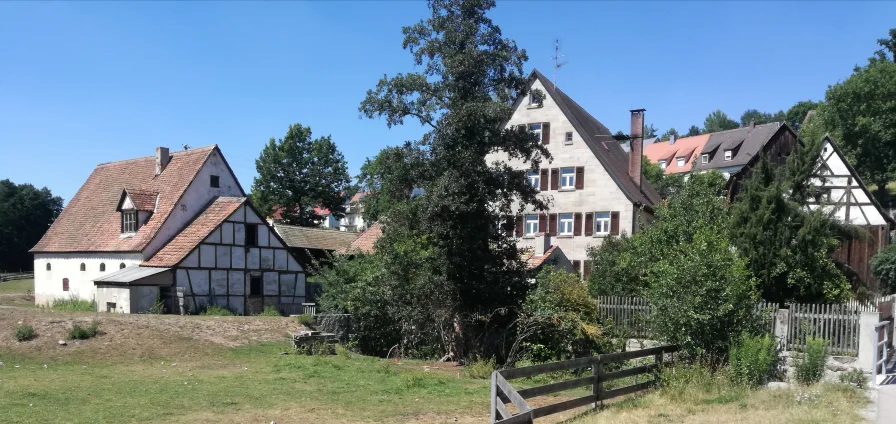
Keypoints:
pixel 662 164
pixel 704 158
pixel 534 179
pixel 110 307
pixel 129 222
pixel 569 137
pixel 535 129
pixel 65 284
pixel 254 286
pixel 567 177
pixel 602 223
pixel 533 102
pixel 251 235
pixel 531 224
pixel 679 162
pixel 727 154
pixel 566 224
pixel 215 181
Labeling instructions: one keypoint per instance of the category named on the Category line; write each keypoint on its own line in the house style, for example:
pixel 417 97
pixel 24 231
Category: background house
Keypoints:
pixel 353 221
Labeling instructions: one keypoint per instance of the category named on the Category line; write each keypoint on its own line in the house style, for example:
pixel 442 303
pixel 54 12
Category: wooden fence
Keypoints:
pixel 502 392
pixel 16 276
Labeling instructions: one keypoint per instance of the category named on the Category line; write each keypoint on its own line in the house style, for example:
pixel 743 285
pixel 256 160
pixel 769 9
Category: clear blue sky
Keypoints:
pixel 84 83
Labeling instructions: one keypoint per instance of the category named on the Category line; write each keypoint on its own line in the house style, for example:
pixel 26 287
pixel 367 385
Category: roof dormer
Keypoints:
pixel 136 206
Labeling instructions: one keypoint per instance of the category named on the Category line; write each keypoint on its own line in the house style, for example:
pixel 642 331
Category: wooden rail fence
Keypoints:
pixel 17 276
pixel 502 392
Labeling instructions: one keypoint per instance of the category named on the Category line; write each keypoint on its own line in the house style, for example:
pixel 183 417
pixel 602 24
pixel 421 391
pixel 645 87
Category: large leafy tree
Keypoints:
pixel 650 131
pixel 669 133
pixel 469 76
pixel 718 121
pixel 693 130
pixel 390 178
pixel 666 185
pixel 297 173
pixel 798 112
pixel 26 213
pixel 757 117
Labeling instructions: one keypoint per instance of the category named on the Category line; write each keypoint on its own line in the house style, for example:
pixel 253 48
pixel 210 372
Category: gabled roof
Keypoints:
pixel 750 140
pixel 143 200
pixel 858 179
pixel 600 140
pixel 533 261
pixel 195 232
pixel 686 146
pixel 315 238
pixel 364 243
pixel 90 222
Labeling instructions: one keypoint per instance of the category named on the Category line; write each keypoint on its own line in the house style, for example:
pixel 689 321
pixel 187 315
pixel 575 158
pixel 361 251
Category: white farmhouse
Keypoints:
pixel 594 187
pixel 166 226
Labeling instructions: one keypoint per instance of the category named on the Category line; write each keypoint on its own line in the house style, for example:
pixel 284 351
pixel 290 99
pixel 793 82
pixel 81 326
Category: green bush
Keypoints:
pixel 854 377
pixel 74 305
pixel 809 365
pixel 480 369
pixel 77 332
pixel 157 308
pixel 217 311
pixel 883 266
pixel 24 333
pixel 753 360
pixel 306 320
pixel 269 311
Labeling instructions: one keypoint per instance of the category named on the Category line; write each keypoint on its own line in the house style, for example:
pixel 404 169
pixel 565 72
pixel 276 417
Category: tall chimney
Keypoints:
pixel 542 244
pixel 637 145
pixel 162 159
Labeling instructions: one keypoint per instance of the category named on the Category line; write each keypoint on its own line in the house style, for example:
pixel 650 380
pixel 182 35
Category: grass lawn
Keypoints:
pixel 16 286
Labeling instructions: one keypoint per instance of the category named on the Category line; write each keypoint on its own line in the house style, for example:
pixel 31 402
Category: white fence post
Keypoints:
pixel 867 346
pixel 782 326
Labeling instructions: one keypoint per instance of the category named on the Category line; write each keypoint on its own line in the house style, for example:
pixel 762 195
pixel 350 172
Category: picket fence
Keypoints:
pixel 838 324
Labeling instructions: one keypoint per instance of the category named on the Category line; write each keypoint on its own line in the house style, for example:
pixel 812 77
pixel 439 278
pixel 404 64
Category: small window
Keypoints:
pixel 531 224
pixel 568 137
pixel 601 223
pixel 251 235
pixel 110 307
pixel 662 164
pixel 215 181
pixel 532 101
pixel 567 177
pixel 534 179
pixel 254 286
pixel 704 158
pixel 65 284
pixel 679 162
pixel 83 267
pixel 129 222
pixel 825 150
pixel 535 129
pixel 565 224
pixel 49 268
pixel 728 154
pixel 102 267
pixel 121 266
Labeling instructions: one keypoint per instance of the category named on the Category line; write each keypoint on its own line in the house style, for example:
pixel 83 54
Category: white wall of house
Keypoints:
pixel 600 192
pixel 220 270
pixel 195 198
pixel 353 221
pixel 329 222
pixel 124 299
pixel 48 284
pixel 843 189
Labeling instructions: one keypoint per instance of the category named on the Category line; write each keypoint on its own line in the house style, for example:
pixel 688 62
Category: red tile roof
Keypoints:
pixel 278 212
pixel 366 240
pixel 144 200
pixel 689 147
pixel 90 223
pixel 536 261
pixel 181 245
pixel 358 196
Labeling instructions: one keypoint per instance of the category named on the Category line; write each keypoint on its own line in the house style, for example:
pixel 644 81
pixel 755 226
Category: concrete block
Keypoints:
pixel 867 321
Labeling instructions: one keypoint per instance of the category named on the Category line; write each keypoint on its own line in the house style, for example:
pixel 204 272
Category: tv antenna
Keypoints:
pixel 557 63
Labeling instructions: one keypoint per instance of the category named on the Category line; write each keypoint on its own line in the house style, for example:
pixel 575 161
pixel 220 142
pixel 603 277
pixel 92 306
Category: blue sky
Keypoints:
pixel 85 83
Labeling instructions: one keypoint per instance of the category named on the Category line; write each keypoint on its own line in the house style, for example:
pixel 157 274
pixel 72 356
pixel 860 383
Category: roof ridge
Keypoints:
pixel 310 228
pixel 178 153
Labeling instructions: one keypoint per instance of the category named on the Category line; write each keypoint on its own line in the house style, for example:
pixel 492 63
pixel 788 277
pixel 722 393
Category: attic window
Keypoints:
pixel 704 158
pixel 662 164
pixel 83 267
pixel 129 221
pixel 569 137
pixel 533 102
pixel 679 162
pixel 728 154
pixel 215 181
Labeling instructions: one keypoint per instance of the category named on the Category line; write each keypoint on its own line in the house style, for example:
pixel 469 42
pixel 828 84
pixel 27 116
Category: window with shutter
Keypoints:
pixel 602 223
pixel 532 222
pixel 546 133
pixel 65 284
pixel 566 224
pixel 555 178
pixel 589 223
pixel 577 226
pixel 519 226
pixel 614 223
pixel 567 178
pixel 542 222
pixel 580 177
pixel 553 229
pixel 544 180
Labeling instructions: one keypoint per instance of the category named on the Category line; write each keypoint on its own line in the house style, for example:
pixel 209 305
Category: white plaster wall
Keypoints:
pixel 48 284
pixel 858 214
pixel 196 197
pixel 600 192
pixel 120 296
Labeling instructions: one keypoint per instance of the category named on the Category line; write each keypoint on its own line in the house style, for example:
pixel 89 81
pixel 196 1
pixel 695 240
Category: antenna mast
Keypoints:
pixel 557 63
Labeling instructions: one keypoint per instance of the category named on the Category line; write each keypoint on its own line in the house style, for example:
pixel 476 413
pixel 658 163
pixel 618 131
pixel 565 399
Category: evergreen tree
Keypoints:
pixel 26 213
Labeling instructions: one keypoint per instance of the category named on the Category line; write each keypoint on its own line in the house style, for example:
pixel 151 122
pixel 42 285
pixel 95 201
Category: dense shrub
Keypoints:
pixel 883 266
pixel 269 311
pixel 77 332
pixel 73 305
pixel 480 369
pixel 754 360
pixel 854 377
pixel 157 308
pixel 24 333
pixel 217 311
pixel 306 320
pixel 809 365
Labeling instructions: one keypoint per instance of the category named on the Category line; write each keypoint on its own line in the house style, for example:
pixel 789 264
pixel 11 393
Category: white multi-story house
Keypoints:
pixel 171 226
pixel 595 188
pixel 353 220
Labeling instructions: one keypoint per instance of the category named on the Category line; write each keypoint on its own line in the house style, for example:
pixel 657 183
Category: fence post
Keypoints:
pixel 782 325
pixel 867 333
pixel 598 388
pixel 494 398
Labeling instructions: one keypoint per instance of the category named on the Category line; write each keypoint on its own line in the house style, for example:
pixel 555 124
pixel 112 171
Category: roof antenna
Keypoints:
pixel 557 63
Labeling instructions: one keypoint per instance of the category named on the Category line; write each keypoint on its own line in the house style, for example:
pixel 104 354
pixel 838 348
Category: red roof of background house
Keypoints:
pixel 689 147
pixel 90 223
pixel 358 196
pixel 203 225
pixel 317 210
pixel 536 261
pixel 366 240
pixel 143 200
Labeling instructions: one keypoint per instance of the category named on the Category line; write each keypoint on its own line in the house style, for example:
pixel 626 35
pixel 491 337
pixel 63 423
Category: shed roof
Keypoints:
pixel 129 275
pixel 315 238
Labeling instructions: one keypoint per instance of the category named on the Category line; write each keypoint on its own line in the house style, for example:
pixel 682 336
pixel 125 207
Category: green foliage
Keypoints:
pixel 390 178
pixel 157 308
pixel 24 333
pixel 650 131
pixel 73 304
pixel 693 130
pixel 883 266
pixel 616 268
pixel 480 369
pixel 669 133
pixel 25 214
pixel 667 185
pixel 718 121
pixel 298 173
pixel 306 320
pixel 269 311
pixel 467 78
pixel 78 332
pixel 754 360
pixel 215 310
pixel 854 377
pixel 809 365
pixel 798 112
pixel 561 317
pixel 757 117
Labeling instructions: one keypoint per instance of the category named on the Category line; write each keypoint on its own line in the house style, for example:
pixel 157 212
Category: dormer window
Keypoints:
pixel 128 221
pixel 679 162
pixel 704 158
pixel 728 154
pixel 662 164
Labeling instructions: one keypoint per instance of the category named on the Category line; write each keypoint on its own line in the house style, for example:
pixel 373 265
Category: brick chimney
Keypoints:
pixel 637 145
pixel 162 159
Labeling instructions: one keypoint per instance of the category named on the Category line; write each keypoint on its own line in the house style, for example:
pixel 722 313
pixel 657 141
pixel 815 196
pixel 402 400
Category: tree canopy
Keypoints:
pixel 693 130
pixel 297 173
pixel 718 121
pixel 26 213
pixel 390 178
